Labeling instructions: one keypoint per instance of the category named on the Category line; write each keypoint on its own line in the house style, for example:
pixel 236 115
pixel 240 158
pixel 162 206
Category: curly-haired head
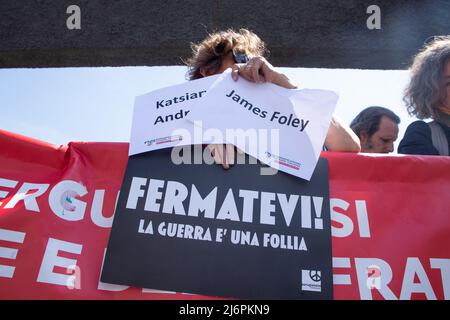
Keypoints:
pixel 208 54
pixel 425 90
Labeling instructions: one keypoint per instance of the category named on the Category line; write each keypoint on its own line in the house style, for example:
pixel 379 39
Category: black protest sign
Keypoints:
pixel 197 228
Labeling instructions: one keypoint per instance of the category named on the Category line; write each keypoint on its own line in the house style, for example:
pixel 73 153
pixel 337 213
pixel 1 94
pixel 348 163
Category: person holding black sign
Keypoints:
pixel 243 51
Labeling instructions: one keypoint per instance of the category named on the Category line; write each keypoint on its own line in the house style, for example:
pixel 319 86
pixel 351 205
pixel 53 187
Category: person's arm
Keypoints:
pixel 341 137
pixel 223 154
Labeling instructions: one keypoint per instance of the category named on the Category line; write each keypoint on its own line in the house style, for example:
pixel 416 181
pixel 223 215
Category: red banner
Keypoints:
pixel 390 223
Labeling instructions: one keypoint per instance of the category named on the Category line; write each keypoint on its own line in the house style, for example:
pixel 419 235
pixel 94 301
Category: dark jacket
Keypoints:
pixel 417 139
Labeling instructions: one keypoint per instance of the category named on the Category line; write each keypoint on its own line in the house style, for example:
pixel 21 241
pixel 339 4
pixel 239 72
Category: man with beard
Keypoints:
pixel 377 129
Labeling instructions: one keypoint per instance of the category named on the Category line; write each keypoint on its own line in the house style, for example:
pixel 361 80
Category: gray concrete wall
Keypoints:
pixel 302 33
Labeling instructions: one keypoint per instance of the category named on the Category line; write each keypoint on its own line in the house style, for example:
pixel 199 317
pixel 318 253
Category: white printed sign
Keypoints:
pixel 283 128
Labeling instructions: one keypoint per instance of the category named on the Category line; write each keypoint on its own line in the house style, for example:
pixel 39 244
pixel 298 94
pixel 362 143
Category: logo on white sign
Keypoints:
pixel 311 280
